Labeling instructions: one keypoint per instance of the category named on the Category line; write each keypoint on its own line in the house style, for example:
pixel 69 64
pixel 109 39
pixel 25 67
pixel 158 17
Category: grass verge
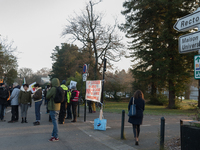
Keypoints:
pixel 187 107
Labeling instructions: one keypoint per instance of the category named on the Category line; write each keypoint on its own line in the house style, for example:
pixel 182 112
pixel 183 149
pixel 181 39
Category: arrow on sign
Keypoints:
pixel 188 22
pixel 198 58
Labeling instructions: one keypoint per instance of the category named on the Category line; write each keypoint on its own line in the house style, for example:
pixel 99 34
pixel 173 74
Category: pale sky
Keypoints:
pixel 35 26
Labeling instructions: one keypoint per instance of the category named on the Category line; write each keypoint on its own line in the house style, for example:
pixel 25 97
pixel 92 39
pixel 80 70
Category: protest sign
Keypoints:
pixel 93 90
pixel 72 83
pixel 31 87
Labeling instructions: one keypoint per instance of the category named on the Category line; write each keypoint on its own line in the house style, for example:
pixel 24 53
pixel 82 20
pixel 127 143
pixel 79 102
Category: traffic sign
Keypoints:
pixel 188 22
pixel 189 42
pixel 84 77
pixel 197 66
pixel 85 68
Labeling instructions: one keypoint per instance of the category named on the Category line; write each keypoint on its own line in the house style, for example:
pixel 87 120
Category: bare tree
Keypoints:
pixel 101 41
pixel 43 72
pixel 8 61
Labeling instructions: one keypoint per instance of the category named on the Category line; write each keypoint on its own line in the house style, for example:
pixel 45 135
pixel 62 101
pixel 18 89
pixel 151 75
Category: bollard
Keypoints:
pixel 85 111
pixel 162 133
pixel 122 126
pixel 78 108
pixel 181 123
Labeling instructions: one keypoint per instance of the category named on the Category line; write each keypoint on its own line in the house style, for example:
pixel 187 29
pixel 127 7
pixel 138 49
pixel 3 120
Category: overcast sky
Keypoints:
pixel 35 26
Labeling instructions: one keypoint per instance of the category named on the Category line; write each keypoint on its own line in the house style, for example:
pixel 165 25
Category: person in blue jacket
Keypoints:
pixel 136 120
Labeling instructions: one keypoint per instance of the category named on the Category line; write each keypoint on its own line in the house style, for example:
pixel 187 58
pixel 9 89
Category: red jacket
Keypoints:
pixel 75 95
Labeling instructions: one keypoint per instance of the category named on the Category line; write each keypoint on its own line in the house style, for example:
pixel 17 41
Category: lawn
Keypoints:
pixel 187 107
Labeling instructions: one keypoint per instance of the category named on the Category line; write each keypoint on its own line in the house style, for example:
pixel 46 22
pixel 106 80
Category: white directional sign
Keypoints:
pixel 197 66
pixel 189 42
pixel 188 22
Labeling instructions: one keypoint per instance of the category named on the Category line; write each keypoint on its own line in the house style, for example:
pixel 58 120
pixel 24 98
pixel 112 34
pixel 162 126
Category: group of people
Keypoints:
pixel 22 96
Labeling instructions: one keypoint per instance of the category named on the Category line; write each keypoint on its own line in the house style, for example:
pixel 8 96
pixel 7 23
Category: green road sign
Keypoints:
pixel 197 67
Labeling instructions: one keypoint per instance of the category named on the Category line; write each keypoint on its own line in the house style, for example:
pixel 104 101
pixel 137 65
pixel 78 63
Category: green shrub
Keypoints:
pixel 197 115
pixel 177 104
pixel 160 99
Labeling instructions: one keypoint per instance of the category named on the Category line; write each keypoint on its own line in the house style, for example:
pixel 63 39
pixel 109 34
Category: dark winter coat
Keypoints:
pixel 140 105
pixel 38 95
pixel 24 97
pixel 3 95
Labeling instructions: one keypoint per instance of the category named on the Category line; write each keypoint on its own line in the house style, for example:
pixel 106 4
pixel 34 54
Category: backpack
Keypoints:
pixel 60 94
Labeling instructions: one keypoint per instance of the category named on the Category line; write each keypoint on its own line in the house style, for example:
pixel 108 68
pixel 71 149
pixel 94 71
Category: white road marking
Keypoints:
pixel 8 111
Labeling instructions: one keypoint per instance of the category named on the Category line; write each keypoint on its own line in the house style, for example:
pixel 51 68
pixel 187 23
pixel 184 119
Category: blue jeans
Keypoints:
pixel 54 117
pixel 37 110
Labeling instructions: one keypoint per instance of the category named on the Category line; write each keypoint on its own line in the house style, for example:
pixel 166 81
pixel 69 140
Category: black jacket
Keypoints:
pixel 140 105
pixel 4 94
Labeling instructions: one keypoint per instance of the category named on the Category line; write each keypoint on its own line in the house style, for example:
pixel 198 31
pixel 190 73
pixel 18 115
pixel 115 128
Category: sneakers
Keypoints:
pixel 53 139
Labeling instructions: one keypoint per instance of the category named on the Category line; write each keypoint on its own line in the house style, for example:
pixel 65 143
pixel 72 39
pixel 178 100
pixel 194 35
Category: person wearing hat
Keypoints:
pixel 37 97
pixel 74 102
pixel 63 105
pixel 3 99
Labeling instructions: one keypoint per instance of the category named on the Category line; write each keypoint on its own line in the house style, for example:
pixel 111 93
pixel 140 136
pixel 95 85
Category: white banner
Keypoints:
pixel 93 90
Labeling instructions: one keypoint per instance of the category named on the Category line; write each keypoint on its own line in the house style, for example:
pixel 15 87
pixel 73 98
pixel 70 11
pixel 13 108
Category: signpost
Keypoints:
pixel 197 67
pixel 190 42
pixel 84 77
pixel 85 74
pixel 188 22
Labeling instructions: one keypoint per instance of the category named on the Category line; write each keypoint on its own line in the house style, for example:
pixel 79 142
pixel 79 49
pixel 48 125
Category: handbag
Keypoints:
pixel 132 111
pixel 100 124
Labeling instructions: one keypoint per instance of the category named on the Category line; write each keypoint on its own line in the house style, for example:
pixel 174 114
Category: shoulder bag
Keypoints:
pixel 132 111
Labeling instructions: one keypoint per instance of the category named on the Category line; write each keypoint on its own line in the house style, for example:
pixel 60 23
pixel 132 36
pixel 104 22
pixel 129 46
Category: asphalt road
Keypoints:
pixel 81 135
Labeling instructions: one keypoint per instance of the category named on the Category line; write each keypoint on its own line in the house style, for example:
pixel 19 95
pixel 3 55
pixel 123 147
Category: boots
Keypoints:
pixel 22 120
pixel 74 120
pixel 25 120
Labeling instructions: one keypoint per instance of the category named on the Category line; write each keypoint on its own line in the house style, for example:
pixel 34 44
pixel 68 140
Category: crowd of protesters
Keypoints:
pixel 17 96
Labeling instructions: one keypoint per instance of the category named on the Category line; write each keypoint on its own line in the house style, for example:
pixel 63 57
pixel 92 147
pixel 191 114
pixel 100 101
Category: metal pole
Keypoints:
pixel 79 99
pixel 85 99
pixel 162 133
pixel 122 125
pixel 199 95
pixel 85 111
pixel 104 69
pixel 199 80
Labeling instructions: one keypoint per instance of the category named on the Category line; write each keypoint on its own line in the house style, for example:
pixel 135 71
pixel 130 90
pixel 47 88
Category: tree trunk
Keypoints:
pixel 153 91
pixel 171 95
pixel 187 94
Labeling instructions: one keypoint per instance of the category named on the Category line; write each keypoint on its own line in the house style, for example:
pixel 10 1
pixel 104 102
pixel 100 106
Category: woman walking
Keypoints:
pixel 136 120
pixel 24 100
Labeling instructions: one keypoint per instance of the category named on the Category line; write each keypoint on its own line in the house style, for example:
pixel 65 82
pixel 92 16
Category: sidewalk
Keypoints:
pixel 149 132
pixel 81 135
